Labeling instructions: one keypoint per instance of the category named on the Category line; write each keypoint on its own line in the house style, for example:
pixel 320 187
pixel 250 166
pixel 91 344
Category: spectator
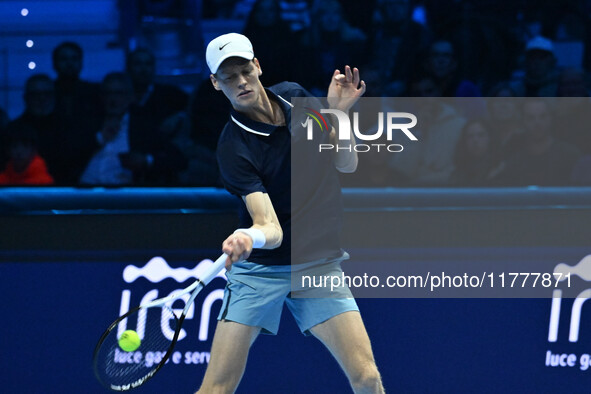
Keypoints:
pixel 65 151
pixel 39 115
pixel 544 161
pixel 505 119
pixel 395 42
pixel 574 109
pixel 25 166
pixel 208 112
pixel 132 151
pixel 202 167
pixel 429 162
pixel 78 111
pixel 76 99
pixel 274 42
pixel 331 40
pixel 442 63
pixel 572 82
pixel 296 13
pixel 154 101
pixel 485 34
pixel 540 78
pixel 218 9
pixel 476 159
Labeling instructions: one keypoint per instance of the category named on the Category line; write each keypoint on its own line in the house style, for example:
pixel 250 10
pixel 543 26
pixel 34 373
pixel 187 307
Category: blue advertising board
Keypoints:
pixel 56 305
pixel 65 277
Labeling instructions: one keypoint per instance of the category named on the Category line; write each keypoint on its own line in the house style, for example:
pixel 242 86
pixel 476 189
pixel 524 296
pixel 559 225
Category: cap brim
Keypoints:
pixel 244 55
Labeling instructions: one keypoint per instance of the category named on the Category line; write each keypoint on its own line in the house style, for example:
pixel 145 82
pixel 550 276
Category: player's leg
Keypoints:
pixel 346 338
pixel 229 352
pixel 251 304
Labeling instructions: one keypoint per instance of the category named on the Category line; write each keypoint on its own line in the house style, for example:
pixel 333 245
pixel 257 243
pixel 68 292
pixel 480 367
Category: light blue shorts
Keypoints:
pixel 255 293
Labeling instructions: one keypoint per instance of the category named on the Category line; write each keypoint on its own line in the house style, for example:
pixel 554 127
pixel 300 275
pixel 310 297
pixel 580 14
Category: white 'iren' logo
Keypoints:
pixel 157 269
pixel 583 271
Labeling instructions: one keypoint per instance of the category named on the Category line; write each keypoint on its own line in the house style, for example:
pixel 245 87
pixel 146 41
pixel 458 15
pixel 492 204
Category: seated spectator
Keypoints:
pixel 544 160
pixel 132 150
pixel 152 100
pixel 296 14
pixel 477 160
pixel 209 112
pixel 394 44
pixel 66 151
pixel 442 63
pixel 274 43
pixel 25 166
pixel 202 168
pixel 505 119
pixel 574 109
pixel 540 77
pixel 39 115
pixel 218 9
pixel 429 161
pixel 330 41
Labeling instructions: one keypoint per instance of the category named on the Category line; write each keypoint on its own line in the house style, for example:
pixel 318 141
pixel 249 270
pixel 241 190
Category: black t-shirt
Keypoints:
pixel 305 193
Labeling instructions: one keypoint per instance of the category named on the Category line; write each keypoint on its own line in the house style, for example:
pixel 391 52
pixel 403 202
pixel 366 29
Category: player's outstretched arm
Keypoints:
pixel 265 233
pixel 343 92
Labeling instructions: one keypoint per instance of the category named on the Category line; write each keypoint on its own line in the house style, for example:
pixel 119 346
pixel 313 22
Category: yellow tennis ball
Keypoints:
pixel 129 341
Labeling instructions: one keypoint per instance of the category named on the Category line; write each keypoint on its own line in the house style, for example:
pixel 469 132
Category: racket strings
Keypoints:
pixel 116 367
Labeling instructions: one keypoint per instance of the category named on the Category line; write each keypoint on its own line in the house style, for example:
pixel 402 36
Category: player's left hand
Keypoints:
pixel 345 89
pixel 238 247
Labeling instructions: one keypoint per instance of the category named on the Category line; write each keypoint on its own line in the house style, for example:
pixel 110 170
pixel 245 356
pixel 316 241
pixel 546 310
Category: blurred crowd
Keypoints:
pixel 501 88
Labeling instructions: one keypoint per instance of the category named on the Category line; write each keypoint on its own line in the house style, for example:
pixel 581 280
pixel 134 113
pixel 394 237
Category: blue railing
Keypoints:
pixel 23 200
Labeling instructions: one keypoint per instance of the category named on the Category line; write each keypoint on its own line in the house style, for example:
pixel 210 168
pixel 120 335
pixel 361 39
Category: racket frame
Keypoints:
pixel 195 288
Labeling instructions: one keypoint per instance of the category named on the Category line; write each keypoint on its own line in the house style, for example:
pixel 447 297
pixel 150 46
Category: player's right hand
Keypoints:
pixel 238 247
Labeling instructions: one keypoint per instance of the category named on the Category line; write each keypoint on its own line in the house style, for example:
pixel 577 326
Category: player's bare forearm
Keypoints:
pixel 265 233
pixel 264 218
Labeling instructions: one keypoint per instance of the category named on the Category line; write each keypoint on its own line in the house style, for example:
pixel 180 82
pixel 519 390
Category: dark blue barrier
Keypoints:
pixel 62 281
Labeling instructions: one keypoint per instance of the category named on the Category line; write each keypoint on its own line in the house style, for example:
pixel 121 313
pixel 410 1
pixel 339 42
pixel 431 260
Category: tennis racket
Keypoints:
pixel 158 328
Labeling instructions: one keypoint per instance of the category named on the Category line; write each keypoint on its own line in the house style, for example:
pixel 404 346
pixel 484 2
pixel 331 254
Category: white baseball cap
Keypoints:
pixel 225 46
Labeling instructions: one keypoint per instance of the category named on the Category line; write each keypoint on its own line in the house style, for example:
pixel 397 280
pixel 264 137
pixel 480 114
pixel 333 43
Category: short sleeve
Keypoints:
pixel 238 168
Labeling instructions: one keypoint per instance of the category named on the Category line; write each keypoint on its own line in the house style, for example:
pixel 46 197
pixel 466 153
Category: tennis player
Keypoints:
pixel 254 154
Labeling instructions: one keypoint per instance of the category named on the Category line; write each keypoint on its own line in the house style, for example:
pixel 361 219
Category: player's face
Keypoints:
pixel 239 82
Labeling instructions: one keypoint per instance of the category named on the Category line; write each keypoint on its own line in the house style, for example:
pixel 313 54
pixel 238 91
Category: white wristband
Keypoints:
pixel 258 237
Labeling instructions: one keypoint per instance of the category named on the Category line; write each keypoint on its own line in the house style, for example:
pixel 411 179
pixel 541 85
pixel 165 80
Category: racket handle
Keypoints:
pixel 214 269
